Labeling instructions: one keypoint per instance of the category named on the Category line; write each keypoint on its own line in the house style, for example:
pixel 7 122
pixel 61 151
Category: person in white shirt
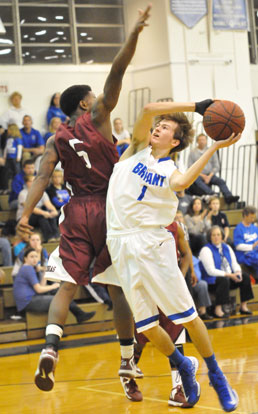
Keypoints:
pixel 15 114
pixel 121 134
pixel 222 272
pixel 141 202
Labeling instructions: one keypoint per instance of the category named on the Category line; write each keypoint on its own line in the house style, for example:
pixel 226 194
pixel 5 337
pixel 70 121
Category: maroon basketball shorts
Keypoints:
pixel 83 237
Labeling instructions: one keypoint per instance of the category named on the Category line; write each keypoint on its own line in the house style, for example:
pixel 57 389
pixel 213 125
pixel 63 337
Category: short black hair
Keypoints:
pixel 248 210
pixel 28 251
pixel 28 162
pixel 71 97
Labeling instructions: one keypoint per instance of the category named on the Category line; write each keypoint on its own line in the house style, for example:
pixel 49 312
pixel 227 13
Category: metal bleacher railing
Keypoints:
pixel 238 164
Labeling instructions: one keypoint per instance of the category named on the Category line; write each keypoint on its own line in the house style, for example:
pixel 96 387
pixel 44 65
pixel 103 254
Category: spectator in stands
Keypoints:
pixel 184 201
pixel 53 126
pixel 54 109
pixel 121 134
pixel 43 214
pixel 28 168
pixel 222 272
pixel 32 141
pixel 13 151
pixel 197 287
pixel 246 240
pixel 196 225
pixel 6 251
pixel 30 292
pixel 35 242
pixel 57 192
pixel 215 217
pixel 208 177
pixel 15 114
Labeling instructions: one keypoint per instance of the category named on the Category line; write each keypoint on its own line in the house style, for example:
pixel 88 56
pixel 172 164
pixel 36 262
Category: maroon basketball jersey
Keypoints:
pixel 86 157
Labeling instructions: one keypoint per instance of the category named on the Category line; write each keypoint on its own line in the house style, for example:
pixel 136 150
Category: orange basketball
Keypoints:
pixel 222 118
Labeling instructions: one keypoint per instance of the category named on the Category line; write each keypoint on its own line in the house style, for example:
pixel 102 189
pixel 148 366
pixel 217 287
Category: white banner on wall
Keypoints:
pixel 189 11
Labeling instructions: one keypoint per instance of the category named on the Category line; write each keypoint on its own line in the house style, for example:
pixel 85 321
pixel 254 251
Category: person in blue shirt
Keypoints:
pixel 33 143
pixel 32 294
pixel 53 127
pixel 13 151
pixel 57 192
pixel 28 168
pixel 54 109
pixel 246 240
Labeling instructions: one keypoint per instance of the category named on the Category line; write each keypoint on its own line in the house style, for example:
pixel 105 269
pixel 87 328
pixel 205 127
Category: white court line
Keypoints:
pixel 153 399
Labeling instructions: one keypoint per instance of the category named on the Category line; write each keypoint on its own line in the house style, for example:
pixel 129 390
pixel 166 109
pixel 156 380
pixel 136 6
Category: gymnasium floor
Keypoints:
pixel 87 382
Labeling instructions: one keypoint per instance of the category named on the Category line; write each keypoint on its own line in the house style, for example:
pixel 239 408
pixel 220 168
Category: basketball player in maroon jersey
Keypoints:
pixel 87 153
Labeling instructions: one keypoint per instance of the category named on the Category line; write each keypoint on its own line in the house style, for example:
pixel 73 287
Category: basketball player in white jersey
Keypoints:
pixel 141 201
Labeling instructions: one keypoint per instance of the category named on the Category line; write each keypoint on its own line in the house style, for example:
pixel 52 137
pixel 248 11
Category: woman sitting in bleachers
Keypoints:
pixel 196 225
pixel 222 272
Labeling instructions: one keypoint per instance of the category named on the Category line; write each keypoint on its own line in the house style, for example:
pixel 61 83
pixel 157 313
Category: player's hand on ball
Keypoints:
pixel 201 106
pixel 227 142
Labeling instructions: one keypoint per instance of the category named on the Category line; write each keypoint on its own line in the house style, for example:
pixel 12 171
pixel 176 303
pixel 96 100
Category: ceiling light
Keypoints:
pixel 59 17
pixel 5 51
pixel 41 32
pixel 42 19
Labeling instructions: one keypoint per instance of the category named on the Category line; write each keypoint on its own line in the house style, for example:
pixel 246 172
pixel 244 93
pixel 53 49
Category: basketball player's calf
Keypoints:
pixel 124 325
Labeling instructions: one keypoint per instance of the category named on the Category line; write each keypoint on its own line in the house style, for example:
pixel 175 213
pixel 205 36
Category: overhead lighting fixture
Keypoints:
pixel 25 36
pixel 32 39
pixel 22 21
pixel 83 34
pixel 89 62
pixel 54 39
pixel 60 33
pixel 5 51
pixel 50 57
pixel 59 50
pixel 6 41
pixel 59 17
pixel 42 19
pixel 89 38
pixel 40 33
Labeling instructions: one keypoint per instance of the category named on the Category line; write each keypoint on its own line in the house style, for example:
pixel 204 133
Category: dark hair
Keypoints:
pixel 28 251
pixel 52 99
pixel 184 131
pixel 208 236
pixel 248 210
pixel 190 207
pixel 71 98
pixel 28 162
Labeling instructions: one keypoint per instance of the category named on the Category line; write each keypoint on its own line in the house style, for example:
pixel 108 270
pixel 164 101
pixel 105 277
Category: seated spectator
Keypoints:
pixel 20 241
pixel 196 225
pixel 6 251
pixel 184 201
pixel 222 272
pixel 57 192
pixel 30 293
pixel 43 214
pixel 54 110
pixel 208 177
pixel 13 151
pixel 121 134
pixel 53 127
pixel 28 168
pixel 32 141
pixel 215 217
pixel 35 242
pixel 197 287
pixel 14 114
pixel 246 240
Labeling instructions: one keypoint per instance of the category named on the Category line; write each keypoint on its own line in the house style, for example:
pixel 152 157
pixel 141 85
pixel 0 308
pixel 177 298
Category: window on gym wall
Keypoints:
pixel 61 31
pixel 253 32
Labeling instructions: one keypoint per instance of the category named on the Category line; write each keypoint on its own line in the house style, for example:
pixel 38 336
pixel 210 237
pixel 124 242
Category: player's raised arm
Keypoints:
pixel 46 168
pixel 108 100
pixel 144 123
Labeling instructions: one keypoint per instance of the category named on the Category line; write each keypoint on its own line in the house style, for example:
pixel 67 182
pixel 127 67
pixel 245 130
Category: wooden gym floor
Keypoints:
pixel 87 382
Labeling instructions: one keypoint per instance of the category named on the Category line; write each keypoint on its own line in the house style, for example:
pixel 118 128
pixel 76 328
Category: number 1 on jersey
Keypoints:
pixel 144 188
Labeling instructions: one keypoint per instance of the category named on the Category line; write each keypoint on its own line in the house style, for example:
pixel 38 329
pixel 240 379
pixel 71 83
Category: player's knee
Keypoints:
pixel 68 288
pixel 151 333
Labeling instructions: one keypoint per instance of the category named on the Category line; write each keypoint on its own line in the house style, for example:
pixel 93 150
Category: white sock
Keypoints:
pixel 127 351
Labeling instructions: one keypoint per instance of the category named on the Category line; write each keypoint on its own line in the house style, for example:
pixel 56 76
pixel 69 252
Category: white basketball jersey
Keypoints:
pixel 139 194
